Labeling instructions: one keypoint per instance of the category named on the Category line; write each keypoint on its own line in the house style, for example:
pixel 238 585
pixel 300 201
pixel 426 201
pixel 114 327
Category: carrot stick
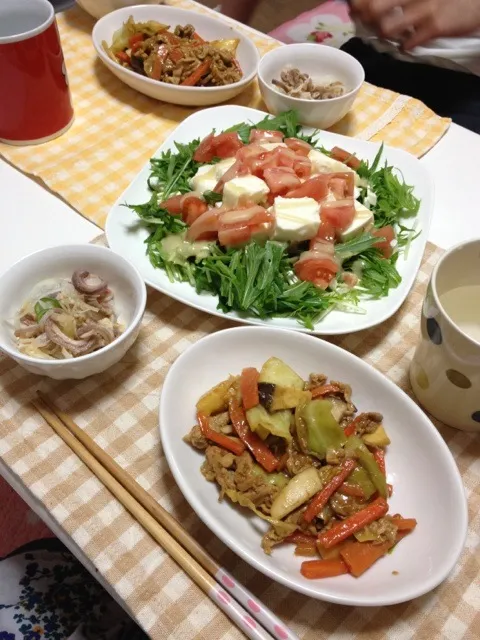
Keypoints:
pixel 235 446
pixel 314 569
pixel 324 389
pixel 404 524
pixel 379 455
pixel 196 76
pixel 249 387
pixel 320 500
pixel 351 525
pixel 360 556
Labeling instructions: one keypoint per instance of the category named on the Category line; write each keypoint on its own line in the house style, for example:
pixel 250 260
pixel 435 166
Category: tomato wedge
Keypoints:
pixel 204 152
pixel 280 180
pixel 348 158
pixel 338 186
pixel 264 135
pixel 320 271
pixel 205 227
pixel 316 188
pixel 192 208
pixel 339 213
pixel 300 147
pixel 348 177
pixel 386 235
pixel 302 167
pixel 326 232
pixel 173 205
pixel 226 145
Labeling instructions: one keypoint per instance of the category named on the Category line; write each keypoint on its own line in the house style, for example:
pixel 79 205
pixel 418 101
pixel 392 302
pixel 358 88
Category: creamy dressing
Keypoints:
pixel 462 305
pixel 177 249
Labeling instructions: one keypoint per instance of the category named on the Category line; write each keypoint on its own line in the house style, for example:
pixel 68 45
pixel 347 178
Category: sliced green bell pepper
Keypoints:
pixel 366 459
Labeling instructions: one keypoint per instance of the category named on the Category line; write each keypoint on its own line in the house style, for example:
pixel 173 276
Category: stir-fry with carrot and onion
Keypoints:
pixel 181 57
pixel 299 455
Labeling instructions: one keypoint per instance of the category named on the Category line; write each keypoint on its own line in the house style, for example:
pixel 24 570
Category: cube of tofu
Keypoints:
pixel 296 219
pixel 223 166
pixel 362 221
pixel 322 163
pixel 244 189
pixel 205 179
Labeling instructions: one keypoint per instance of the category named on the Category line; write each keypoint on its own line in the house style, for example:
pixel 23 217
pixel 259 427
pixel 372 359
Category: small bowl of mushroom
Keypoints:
pixel 70 311
pixel 318 81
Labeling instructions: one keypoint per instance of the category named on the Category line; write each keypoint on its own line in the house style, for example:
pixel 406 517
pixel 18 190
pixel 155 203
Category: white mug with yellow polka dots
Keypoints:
pixel 445 370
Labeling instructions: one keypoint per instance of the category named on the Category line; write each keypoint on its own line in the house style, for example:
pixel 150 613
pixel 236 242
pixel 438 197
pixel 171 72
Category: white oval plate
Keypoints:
pixel 126 236
pixel 426 481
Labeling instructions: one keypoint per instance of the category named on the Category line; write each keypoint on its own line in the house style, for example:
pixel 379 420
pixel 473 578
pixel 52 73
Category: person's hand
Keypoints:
pixel 415 22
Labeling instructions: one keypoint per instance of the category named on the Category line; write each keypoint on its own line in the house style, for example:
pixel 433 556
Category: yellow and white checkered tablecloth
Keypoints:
pixel 117 129
pixel 119 408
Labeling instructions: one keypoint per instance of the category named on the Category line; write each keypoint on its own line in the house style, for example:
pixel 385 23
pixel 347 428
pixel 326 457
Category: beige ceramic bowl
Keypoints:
pixel 209 28
pixel 445 371
pixel 321 63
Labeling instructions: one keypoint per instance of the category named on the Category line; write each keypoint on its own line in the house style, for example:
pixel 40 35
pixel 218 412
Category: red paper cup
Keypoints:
pixel 35 104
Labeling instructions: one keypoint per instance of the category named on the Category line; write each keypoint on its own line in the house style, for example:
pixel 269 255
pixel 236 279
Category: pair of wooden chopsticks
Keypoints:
pixel 252 617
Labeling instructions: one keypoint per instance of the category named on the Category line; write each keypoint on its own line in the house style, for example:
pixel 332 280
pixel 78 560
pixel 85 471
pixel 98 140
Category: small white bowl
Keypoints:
pixel 99 8
pixel 321 63
pixel 130 297
pixel 207 27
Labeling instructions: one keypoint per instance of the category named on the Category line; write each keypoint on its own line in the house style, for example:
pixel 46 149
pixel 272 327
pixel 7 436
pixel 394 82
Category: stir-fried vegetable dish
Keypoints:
pixel 65 318
pixel 181 57
pixel 300 456
pixel 274 225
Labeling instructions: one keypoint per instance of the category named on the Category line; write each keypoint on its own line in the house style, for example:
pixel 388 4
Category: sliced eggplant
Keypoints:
pixel 276 398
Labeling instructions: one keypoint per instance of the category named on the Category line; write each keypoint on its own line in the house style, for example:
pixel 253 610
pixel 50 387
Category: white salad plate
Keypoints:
pixel 126 235
pixel 426 482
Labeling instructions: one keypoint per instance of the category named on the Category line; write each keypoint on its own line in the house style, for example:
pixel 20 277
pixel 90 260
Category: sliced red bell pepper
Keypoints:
pixel 255 444
pixel 123 57
pixel 320 500
pixel 197 75
pixel 234 446
pixel 249 388
pixel 160 56
pixel 135 39
pixel 324 390
pixel 379 455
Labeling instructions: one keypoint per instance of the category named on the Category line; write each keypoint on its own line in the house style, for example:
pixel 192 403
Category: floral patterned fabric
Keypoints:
pixel 328 24
pixel 45 594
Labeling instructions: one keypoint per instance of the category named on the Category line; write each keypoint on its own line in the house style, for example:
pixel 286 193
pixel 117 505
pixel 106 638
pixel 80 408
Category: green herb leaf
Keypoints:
pixel 45 304
pixel 377 274
pixel 355 246
pixel 211 197
pixel 171 172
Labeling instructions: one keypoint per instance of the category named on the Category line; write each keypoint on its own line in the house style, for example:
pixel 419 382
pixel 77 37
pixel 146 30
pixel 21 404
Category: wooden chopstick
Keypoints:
pixel 212 578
